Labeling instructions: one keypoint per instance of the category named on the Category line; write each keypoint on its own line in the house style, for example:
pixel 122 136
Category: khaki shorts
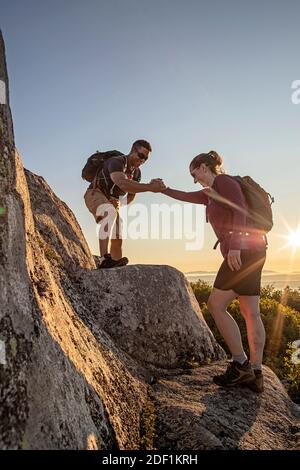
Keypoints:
pixel 94 198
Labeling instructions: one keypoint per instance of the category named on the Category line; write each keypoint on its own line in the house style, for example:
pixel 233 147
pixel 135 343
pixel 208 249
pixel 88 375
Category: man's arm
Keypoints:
pixel 130 198
pixel 133 187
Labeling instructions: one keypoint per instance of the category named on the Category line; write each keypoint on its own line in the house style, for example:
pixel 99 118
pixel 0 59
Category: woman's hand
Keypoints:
pixel 234 260
pixel 159 181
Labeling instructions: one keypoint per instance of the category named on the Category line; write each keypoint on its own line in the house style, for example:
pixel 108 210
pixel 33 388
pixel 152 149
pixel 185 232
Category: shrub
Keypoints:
pixel 292 373
pixel 281 320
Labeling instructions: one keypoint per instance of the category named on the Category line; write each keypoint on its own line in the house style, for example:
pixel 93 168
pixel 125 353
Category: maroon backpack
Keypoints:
pixel 259 203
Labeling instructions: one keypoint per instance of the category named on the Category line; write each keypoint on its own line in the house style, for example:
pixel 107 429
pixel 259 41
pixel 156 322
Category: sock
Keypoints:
pixel 256 366
pixel 102 258
pixel 241 358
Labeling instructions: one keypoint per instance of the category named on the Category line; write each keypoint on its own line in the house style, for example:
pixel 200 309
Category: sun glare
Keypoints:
pixel 291 237
pixel 294 239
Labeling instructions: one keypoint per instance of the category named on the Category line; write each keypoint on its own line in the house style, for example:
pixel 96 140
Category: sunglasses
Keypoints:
pixel 142 156
pixel 193 172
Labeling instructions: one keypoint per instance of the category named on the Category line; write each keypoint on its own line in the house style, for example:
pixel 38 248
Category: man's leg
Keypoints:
pixel 116 248
pixel 116 237
pixel 116 233
pixel 103 246
pixel 103 243
pixel 105 217
pixel 97 203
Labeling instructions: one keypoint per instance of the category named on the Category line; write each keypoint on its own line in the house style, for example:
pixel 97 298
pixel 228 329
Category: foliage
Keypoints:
pixel 201 290
pixel 292 372
pixel 280 313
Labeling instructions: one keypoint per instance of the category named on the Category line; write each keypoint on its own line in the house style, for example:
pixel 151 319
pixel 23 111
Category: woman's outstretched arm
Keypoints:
pixel 197 197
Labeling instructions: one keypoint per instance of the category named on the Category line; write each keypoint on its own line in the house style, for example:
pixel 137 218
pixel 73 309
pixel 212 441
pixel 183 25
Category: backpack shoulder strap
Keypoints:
pixel 125 161
pixel 94 183
pixel 110 154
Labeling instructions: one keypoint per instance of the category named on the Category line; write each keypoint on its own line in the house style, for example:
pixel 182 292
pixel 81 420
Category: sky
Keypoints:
pixel 187 75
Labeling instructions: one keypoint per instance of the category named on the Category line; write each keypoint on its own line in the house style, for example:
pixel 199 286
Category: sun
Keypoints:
pixel 292 244
pixel 294 239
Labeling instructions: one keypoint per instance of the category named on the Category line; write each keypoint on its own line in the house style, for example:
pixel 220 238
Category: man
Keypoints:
pixel 120 175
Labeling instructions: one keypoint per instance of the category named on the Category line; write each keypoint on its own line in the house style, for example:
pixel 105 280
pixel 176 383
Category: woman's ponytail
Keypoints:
pixel 212 160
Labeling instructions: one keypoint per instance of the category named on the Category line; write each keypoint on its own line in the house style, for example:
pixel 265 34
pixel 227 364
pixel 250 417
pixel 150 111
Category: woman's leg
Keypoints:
pixel 249 305
pixel 217 304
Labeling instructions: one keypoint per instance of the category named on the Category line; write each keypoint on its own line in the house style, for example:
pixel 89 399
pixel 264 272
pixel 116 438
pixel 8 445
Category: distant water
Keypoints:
pixel 278 280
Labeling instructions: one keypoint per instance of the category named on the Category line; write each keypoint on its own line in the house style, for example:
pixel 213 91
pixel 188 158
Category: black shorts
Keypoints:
pixel 247 280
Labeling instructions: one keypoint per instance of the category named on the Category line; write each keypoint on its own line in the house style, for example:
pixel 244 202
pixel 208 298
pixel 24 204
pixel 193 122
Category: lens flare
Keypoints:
pixel 294 239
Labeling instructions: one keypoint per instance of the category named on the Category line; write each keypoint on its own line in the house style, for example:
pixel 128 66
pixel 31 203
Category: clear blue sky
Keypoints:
pixel 187 75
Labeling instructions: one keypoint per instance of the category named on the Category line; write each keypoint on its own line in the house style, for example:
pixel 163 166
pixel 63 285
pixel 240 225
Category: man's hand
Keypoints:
pixel 133 187
pixel 157 185
pixel 234 260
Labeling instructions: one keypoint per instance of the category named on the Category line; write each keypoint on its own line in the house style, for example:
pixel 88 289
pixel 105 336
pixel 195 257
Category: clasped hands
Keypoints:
pixel 157 185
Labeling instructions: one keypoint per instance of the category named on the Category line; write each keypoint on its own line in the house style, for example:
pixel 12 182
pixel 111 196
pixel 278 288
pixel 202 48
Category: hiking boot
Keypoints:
pixel 107 262
pixel 236 374
pixel 257 385
pixel 121 262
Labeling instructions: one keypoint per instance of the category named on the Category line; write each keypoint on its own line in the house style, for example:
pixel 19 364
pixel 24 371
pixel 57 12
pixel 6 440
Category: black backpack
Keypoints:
pixel 95 163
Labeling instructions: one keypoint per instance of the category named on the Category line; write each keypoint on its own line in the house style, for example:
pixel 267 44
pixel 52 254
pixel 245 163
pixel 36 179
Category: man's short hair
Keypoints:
pixel 141 143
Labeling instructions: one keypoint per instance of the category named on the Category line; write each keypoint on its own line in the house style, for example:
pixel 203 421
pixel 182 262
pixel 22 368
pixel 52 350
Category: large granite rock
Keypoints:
pixel 151 313
pixel 60 386
pixel 194 414
pixel 90 353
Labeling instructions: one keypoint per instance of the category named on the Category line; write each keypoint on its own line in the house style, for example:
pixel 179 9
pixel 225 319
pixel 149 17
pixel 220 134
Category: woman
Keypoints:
pixel 244 253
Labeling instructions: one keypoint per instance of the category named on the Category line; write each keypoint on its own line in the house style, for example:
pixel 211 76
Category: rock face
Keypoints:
pixel 88 351
pixel 194 414
pixel 61 387
pixel 150 312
